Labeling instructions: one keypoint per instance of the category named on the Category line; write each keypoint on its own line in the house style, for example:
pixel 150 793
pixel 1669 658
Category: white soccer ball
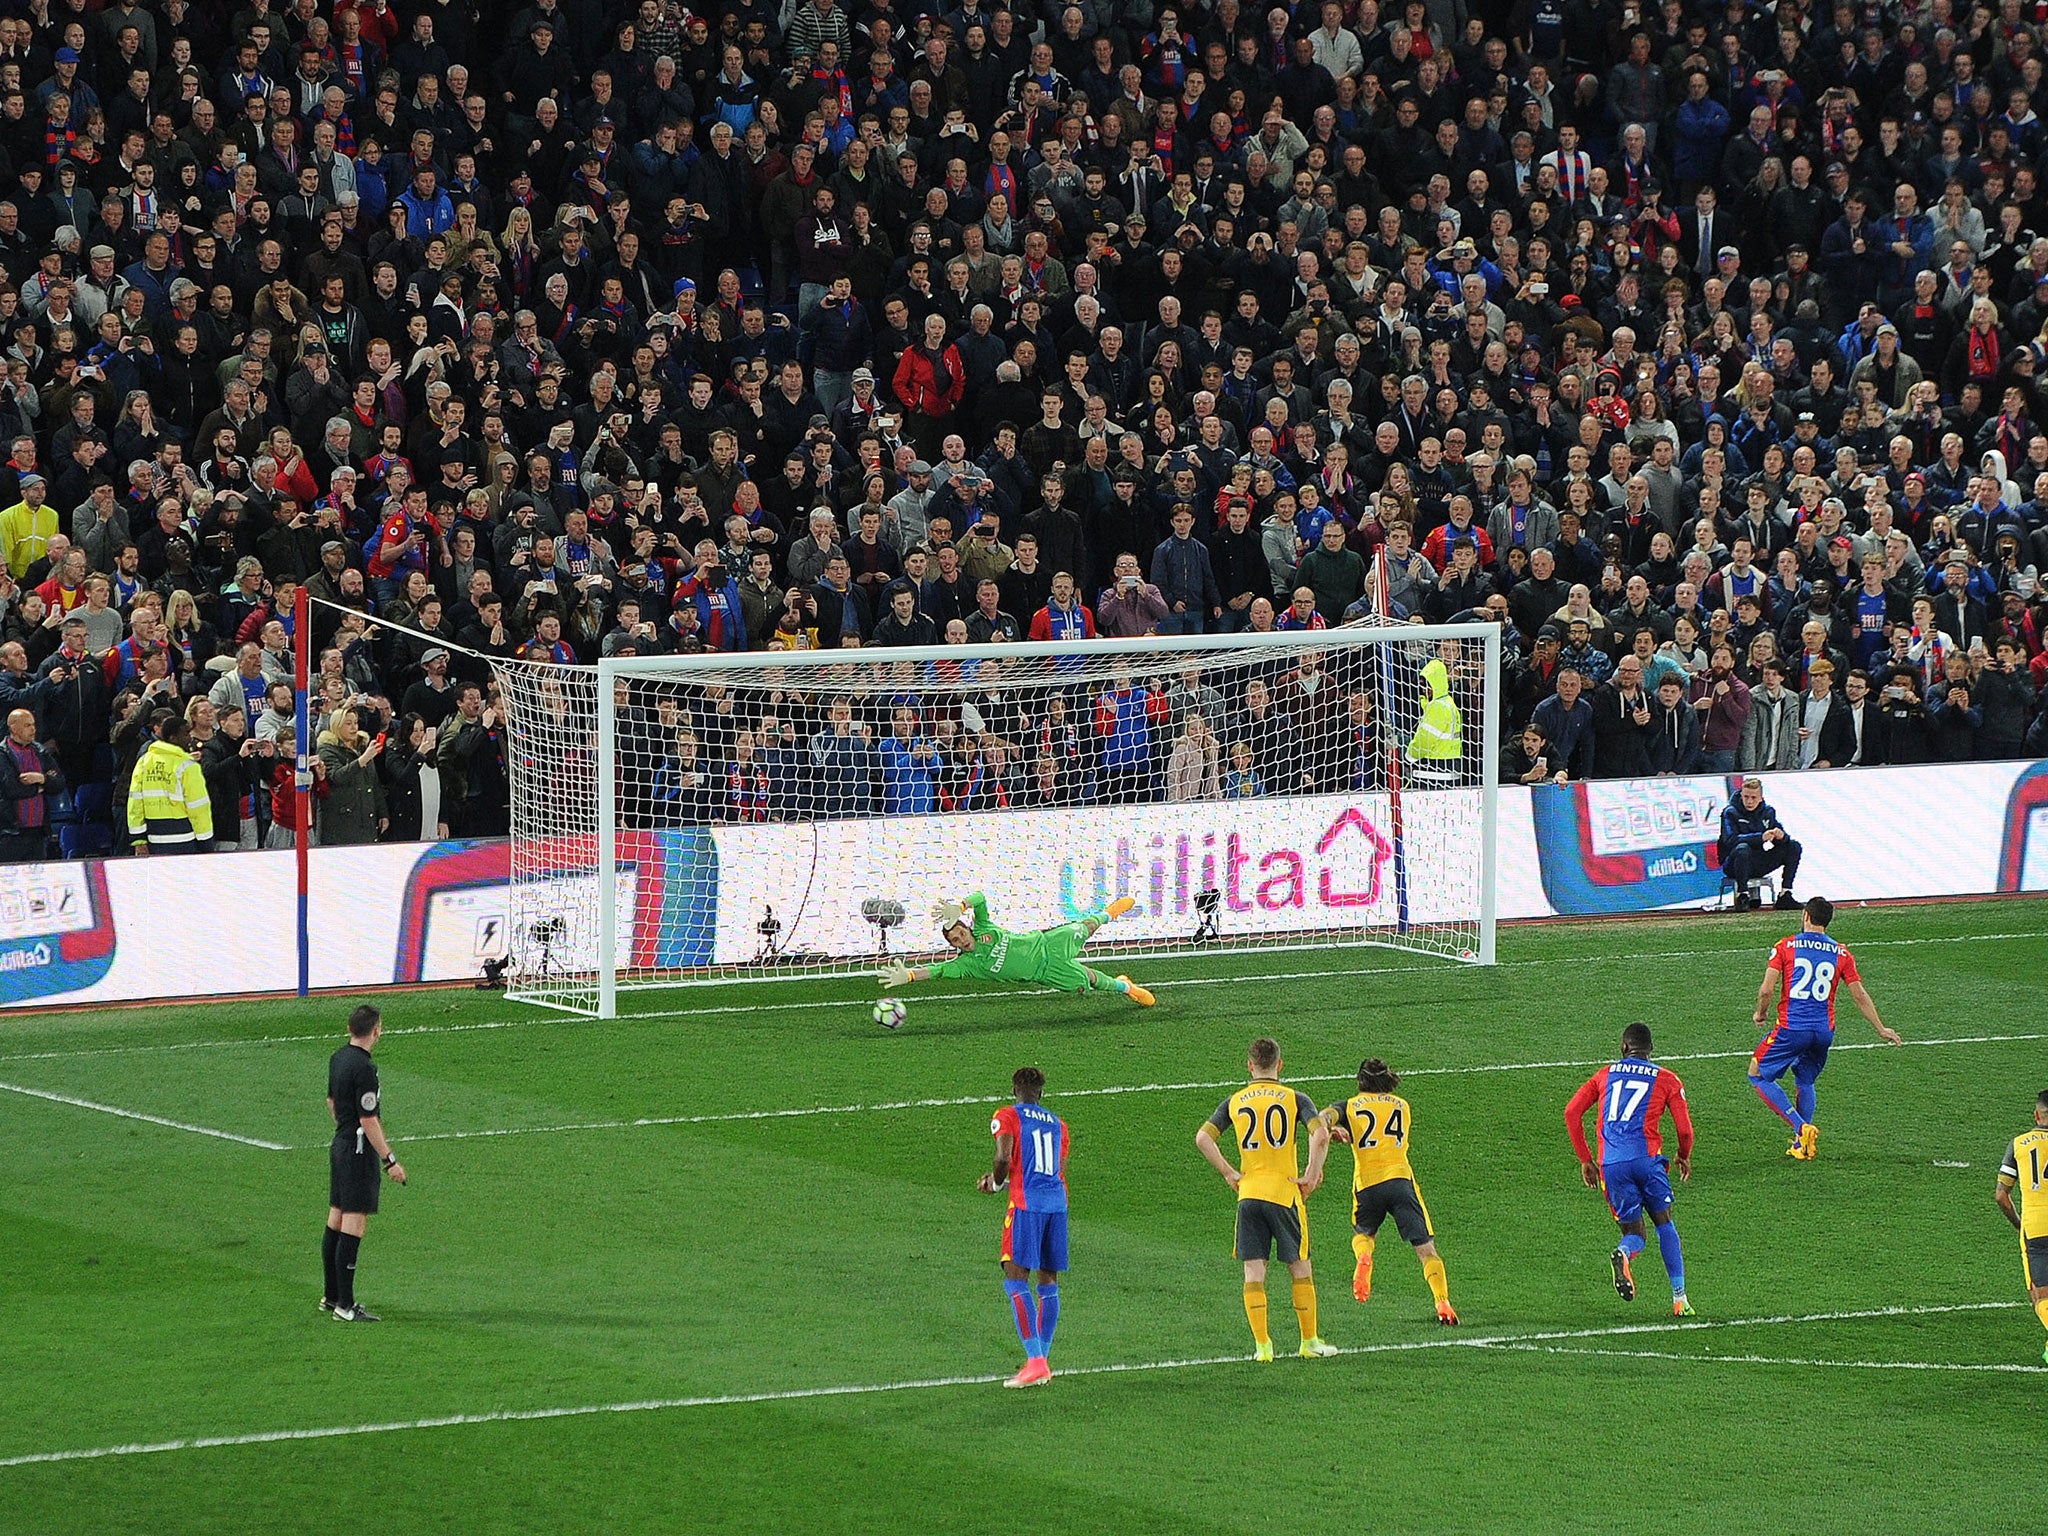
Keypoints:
pixel 890 1013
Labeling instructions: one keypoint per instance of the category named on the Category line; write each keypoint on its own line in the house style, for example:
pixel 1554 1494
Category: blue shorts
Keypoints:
pixel 1634 1185
pixel 1802 1052
pixel 1036 1240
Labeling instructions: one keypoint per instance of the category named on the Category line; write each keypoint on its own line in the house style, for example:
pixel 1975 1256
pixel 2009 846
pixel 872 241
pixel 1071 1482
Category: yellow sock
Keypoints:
pixel 1305 1307
pixel 1255 1312
pixel 2041 1311
pixel 1439 1282
pixel 1361 1245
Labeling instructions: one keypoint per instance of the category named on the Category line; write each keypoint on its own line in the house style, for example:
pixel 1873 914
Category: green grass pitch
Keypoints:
pixel 157 1284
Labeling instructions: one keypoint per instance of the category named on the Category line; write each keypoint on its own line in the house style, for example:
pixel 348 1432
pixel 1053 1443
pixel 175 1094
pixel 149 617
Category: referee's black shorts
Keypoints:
pixel 1398 1198
pixel 353 1178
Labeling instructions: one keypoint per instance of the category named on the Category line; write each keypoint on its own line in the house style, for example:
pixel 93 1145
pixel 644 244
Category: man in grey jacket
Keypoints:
pixel 1770 736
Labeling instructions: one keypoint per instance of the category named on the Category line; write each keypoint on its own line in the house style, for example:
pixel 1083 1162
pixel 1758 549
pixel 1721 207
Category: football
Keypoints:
pixel 890 1013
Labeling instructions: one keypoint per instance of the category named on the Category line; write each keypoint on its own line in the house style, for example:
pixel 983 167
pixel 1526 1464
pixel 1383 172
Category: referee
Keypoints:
pixel 355 1102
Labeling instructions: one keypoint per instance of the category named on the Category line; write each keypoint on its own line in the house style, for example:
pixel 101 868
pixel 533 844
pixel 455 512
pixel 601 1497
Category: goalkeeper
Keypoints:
pixel 1046 957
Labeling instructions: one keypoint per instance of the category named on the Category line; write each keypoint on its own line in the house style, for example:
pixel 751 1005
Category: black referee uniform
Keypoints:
pixel 354 1172
pixel 353 1167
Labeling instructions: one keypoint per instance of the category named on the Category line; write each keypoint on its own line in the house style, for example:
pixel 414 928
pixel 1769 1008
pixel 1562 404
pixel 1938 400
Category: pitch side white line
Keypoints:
pixel 1532 1341
pixel 2005 1368
pixel 1118 1090
pixel 136 1114
pixel 724 1010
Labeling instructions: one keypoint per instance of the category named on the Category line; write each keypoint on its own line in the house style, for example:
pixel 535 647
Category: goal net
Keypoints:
pixel 694 818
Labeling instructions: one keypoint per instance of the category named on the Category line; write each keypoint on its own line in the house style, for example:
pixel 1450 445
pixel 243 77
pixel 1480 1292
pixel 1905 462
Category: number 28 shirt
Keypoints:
pixel 1810 967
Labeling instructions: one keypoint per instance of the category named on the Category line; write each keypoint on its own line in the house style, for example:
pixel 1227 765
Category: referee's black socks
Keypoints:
pixel 330 1243
pixel 345 1247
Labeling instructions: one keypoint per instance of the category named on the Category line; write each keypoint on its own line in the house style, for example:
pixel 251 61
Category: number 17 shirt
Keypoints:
pixel 1630 1097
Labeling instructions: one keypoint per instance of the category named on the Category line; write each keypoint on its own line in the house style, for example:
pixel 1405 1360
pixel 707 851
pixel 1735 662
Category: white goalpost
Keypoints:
pixel 680 820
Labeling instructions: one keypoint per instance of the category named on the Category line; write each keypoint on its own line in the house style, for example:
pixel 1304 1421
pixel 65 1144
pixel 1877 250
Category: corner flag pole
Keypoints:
pixel 302 777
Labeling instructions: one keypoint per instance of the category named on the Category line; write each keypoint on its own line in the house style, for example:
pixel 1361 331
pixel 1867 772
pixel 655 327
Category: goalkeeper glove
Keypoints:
pixel 947 913
pixel 893 976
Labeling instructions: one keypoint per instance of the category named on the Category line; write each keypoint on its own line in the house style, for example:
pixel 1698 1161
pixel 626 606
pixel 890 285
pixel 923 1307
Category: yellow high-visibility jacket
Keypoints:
pixel 167 800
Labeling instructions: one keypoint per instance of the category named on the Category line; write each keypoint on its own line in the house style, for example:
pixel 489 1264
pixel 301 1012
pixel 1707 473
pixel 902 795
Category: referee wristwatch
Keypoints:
pixel 390 1158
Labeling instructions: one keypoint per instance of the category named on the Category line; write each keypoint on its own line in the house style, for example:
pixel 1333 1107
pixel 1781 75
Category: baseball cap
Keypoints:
pixel 541 24
pixel 1725 252
pixel 333 544
pixel 1805 416
pixel 434 653
pixel 1550 632
pixel 820 421
pixel 1887 326
pixel 1842 541
pixel 919 467
pixel 66 56
pixel 863 376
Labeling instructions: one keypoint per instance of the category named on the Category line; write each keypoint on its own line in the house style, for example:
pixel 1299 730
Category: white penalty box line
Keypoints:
pixel 136 1114
pixel 892 1106
pixel 1553 1341
pixel 1120 1090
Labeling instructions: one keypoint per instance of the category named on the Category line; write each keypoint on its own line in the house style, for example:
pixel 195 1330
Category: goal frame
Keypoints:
pixel 612 669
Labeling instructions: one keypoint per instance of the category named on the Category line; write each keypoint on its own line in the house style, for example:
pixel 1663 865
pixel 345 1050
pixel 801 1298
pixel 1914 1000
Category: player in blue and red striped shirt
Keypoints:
pixel 1031 1163
pixel 1631 1097
pixel 1798 991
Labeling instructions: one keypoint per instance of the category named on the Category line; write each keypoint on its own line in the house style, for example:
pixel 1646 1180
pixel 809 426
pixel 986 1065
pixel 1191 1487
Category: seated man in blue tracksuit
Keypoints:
pixel 1754 842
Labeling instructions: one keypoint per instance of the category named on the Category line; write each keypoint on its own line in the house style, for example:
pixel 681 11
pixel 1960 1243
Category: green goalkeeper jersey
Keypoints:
pixel 998 952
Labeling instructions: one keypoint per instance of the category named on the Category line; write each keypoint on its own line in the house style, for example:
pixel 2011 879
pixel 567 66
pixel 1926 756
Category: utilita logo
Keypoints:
pixel 1344 868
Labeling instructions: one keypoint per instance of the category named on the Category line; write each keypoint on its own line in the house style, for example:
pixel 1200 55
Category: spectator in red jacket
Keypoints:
pixel 1065 616
pixel 930 382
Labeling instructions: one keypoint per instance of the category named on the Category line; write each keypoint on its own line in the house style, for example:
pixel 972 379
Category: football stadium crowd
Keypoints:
pixel 1695 344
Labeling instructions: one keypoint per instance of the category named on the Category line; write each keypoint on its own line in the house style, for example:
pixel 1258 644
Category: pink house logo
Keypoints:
pixel 1263 865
